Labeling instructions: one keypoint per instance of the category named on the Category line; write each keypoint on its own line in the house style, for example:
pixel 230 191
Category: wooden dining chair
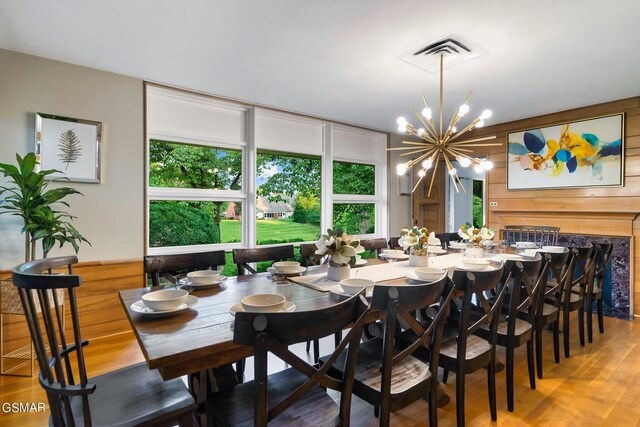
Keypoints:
pixel 170 266
pixel 448 238
pixel 388 376
pixel 394 243
pixel 594 293
pixel 309 257
pixel 463 352
pixel 243 257
pixel 297 395
pixel 131 396
pixel 372 247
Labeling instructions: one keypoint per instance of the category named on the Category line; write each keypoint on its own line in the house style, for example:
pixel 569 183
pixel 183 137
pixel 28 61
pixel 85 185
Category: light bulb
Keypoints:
pixel 478 168
pixel 426 112
pixel 454 129
pixel 487 164
pixel 401 121
pixel 422 173
pixel 452 171
pixel 480 123
pixel 485 114
pixel 421 131
pixel 401 169
pixel 464 109
pixel 427 164
pixel 464 161
pixel 402 128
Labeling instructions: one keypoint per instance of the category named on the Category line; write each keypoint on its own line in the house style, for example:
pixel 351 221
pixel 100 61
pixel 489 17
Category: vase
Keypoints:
pixel 474 252
pixel 337 273
pixel 418 260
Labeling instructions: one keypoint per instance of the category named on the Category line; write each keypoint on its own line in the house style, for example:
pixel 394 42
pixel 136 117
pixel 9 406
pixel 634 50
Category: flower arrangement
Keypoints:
pixel 415 238
pixel 341 247
pixel 475 236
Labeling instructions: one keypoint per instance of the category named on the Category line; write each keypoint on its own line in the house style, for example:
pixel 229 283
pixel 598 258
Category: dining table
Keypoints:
pixel 200 338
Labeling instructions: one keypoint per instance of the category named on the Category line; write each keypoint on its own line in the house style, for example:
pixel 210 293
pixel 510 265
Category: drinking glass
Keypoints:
pixel 283 287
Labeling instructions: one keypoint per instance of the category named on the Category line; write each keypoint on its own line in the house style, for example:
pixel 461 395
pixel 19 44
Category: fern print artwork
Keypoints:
pixel 70 149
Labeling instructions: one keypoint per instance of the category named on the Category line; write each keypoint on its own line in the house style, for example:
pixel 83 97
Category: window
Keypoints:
pixel 223 175
pixel 287 197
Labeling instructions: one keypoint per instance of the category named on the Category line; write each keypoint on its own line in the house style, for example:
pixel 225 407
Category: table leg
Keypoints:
pixel 203 383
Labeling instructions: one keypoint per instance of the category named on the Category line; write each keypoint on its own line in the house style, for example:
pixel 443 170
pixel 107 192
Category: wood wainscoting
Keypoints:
pixel 100 311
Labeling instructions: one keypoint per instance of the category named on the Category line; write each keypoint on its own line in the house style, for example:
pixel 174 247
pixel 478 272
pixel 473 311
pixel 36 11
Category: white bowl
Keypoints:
pixel 457 245
pixel 353 286
pixel 203 277
pixel 429 273
pixel 554 249
pixel 528 245
pixel 263 303
pixel 286 267
pixel 475 263
pixel 392 253
pixel 165 300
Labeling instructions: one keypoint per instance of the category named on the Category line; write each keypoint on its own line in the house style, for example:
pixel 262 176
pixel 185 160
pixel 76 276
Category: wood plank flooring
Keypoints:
pixel 599 385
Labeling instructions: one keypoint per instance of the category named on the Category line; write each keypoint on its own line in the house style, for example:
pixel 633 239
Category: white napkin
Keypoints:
pixel 432 240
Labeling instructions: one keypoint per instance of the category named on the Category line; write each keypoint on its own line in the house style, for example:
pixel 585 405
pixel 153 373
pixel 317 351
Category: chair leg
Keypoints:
pixel 589 309
pixel 491 382
pixel 445 376
pixel 240 371
pixel 565 332
pixel 509 379
pixel 530 365
pixel 308 346
pixel 556 340
pixel 460 397
pixel 316 351
pixel 581 325
pixel 538 337
pixel 600 316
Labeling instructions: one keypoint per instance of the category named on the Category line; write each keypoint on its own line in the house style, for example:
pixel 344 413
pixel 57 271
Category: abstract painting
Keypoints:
pixel 583 153
pixel 71 146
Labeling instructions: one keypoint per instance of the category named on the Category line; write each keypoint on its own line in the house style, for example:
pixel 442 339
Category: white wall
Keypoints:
pixel 110 215
pixel 400 209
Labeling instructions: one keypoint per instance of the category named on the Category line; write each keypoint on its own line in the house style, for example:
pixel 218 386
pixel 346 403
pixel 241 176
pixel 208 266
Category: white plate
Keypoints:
pixel 186 282
pixel 360 261
pixel 437 251
pixel 339 291
pixel 301 270
pixel 412 275
pixel 288 307
pixel 504 257
pixel 461 266
pixel 457 245
pixel 398 258
pixel 139 307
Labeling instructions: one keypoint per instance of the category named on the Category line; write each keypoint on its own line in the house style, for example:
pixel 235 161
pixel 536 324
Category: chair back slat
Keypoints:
pixel 56 355
pixel 309 256
pixel 602 262
pixel 169 266
pixel 243 257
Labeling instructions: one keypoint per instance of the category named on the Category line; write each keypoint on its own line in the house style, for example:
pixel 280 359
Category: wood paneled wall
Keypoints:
pixel 100 311
pixel 598 211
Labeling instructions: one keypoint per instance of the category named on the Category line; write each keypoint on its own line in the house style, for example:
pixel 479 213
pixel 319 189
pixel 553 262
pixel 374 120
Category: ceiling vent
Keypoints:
pixel 455 48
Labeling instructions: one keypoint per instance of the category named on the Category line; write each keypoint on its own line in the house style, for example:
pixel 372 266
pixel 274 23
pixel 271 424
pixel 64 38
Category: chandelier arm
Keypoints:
pixel 433 175
pixel 454 120
pixel 400 148
pixel 471 126
pixel 432 124
pixel 484 138
pixel 414 152
pixel 431 137
pixel 428 153
pixel 441 94
pixel 455 176
pixel 417 183
pixel 495 144
pixel 418 143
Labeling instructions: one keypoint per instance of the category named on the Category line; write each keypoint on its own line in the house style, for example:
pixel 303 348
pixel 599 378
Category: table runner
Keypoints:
pixel 377 273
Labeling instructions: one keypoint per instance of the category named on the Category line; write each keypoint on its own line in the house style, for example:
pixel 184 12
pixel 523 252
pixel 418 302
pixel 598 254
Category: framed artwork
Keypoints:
pixel 585 153
pixel 72 146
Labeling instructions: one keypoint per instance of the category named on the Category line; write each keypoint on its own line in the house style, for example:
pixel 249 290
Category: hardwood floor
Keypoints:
pixel 599 385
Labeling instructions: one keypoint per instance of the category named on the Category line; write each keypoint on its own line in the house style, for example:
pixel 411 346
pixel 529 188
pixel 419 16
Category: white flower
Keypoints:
pixel 487 233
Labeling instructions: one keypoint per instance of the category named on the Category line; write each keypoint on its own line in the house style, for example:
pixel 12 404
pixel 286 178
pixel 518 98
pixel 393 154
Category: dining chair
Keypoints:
pixel 394 243
pixel 243 257
pixel 448 238
pixel 372 247
pixel 309 257
pixel 131 396
pixel 388 376
pixel 297 395
pixel 541 235
pixel 584 278
pixel 594 293
pixel 169 266
pixel 522 289
pixel 462 352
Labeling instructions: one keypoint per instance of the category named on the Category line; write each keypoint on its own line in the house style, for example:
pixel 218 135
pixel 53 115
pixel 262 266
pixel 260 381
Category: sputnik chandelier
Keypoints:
pixel 437 144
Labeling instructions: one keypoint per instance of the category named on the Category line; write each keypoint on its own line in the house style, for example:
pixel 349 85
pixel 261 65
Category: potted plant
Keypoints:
pixel 474 237
pixel 342 250
pixel 30 198
pixel 416 240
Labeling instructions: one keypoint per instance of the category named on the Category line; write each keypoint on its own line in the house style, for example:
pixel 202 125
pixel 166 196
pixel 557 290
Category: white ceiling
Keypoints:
pixel 339 59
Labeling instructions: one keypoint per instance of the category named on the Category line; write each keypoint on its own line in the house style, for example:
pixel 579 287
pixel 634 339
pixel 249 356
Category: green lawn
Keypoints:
pixel 271 231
